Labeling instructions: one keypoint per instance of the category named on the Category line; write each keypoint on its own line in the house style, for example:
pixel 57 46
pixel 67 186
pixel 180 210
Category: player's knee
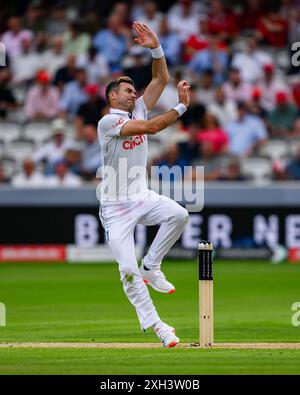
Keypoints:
pixel 182 217
pixel 126 270
pixel 128 273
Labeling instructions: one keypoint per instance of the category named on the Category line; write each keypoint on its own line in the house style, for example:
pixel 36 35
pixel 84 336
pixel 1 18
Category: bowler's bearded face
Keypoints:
pixel 126 97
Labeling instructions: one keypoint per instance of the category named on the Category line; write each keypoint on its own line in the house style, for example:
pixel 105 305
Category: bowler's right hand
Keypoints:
pixel 183 89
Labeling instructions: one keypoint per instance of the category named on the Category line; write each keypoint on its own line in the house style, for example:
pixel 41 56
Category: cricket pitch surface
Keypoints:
pixel 148 345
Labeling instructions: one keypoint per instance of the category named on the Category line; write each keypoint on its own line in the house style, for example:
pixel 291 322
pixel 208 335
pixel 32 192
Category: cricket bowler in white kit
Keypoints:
pixel 125 199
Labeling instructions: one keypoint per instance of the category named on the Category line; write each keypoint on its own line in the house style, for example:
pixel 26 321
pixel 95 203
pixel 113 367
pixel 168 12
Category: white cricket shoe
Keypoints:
pixel 167 335
pixel 157 280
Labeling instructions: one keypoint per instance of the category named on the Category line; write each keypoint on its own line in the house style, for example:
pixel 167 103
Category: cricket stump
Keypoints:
pixel 206 309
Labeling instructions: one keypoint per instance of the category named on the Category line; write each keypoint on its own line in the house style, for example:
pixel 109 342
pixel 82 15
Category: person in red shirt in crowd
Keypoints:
pixel 199 41
pixel 251 14
pixel 212 135
pixel 272 28
pixel 220 21
pixel 212 142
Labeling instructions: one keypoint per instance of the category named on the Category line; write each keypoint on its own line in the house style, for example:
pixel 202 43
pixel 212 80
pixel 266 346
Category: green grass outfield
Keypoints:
pixel 85 303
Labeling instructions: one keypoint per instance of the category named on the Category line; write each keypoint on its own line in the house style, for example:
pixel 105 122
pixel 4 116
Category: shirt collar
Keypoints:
pixel 117 111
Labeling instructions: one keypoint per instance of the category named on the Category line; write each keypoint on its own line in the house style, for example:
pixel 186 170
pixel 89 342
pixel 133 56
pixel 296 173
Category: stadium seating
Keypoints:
pixel 9 131
pixel 19 149
pixel 37 131
pixel 258 168
pixel 70 130
pixel 9 166
pixel 275 149
pixel 24 130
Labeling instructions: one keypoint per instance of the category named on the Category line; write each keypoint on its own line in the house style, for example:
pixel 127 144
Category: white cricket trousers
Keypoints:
pixel 119 220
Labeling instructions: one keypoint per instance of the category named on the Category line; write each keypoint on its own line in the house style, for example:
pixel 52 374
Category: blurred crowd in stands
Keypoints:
pixel 244 119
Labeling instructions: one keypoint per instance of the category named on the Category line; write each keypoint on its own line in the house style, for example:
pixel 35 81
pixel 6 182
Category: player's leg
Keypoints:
pixel 172 219
pixel 119 221
pixel 120 237
pixel 121 241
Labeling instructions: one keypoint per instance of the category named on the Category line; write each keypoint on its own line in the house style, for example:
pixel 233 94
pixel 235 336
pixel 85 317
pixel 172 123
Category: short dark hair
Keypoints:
pixel 114 85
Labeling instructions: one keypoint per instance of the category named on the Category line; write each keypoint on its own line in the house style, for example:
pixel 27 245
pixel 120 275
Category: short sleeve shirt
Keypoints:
pixel 123 158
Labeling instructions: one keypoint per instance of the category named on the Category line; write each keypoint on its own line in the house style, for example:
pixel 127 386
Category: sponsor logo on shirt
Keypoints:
pixel 132 142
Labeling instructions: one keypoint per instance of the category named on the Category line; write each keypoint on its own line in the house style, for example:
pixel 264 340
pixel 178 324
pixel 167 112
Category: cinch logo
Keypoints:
pixel 134 141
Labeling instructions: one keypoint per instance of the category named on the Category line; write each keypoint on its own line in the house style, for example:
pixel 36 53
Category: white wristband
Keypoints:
pixel 180 108
pixel 157 52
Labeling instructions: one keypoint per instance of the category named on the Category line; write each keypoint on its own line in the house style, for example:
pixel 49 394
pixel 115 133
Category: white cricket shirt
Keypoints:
pixel 123 159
